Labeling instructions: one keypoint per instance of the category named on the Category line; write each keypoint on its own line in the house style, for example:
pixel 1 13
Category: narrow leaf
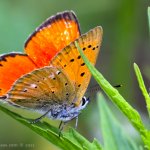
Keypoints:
pixel 149 17
pixel 113 133
pixel 142 86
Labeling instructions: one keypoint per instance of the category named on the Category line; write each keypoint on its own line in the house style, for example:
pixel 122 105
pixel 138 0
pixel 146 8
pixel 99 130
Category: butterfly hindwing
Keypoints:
pixel 45 86
pixel 70 61
pixel 12 67
pixel 53 35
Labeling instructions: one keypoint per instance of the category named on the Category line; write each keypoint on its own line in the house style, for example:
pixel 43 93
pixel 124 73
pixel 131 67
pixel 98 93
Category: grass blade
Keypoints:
pixel 142 87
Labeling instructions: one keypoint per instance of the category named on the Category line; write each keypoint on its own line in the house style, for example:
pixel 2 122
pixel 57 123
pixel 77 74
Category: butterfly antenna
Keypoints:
pixel 117 86
pixel 97 88
pixel 93 89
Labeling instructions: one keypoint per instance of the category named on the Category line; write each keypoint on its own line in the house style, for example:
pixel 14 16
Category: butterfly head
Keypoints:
pixel 84 102
pixel 75 111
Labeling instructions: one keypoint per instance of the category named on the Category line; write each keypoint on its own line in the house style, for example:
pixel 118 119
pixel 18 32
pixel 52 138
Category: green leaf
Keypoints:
pixel 80 140
pixel 70 140
pixel 142 86
pixel 113 134
pixel 118 100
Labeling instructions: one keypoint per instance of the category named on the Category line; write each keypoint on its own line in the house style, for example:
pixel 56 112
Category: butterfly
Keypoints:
pixel 51 76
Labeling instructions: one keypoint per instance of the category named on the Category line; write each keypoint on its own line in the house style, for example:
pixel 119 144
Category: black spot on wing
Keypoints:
pixel 25 90
pixel 82 64
pixel 79 85
pixel 89 46
pixel 79 57
pixel 58 72
pixel 71 60
pixel 82 74
pixel 93 48
pixel 84 48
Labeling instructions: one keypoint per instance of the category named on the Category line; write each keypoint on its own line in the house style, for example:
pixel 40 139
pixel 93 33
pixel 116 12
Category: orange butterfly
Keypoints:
pixel 51 76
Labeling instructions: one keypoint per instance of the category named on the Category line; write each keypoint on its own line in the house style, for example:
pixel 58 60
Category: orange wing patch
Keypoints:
pixel 52 36
pixel 13 66
pixel 70 61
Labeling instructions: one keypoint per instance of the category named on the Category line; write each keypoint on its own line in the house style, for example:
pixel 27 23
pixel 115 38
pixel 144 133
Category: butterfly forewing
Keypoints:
pixel 13 66
pixel 54 34
pixel 70 61
pixel 45 86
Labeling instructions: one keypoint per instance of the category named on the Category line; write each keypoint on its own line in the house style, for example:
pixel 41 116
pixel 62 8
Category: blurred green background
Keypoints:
pixel 125 41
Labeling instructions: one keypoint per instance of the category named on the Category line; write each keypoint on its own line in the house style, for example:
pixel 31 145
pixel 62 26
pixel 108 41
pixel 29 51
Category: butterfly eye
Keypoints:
pixel 83 101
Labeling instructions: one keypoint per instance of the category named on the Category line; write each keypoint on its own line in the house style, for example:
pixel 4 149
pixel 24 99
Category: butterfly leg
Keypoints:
pixel 38 119
pixel 61 126
pixel 76 124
